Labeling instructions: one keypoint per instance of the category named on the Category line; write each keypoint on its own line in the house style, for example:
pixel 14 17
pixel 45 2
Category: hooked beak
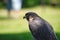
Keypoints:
pixel 24 17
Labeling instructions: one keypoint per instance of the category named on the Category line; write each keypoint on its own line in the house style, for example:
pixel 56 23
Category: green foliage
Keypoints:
pixel 2 5
pixel 30 3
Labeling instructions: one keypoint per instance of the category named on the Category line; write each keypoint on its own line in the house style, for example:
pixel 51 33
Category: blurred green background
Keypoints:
pixel 30 3
pixel 17 29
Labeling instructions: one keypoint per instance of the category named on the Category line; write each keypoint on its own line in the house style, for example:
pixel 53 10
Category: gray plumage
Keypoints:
pixel 40 28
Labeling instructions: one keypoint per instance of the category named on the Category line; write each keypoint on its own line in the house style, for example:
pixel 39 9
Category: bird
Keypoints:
pixel 39 27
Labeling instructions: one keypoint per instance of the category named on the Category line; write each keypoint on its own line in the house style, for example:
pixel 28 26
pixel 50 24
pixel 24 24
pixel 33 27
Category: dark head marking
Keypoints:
pixel 30 14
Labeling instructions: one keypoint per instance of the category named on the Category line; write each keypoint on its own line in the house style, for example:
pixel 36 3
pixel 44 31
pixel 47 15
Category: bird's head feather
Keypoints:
pixel 30 16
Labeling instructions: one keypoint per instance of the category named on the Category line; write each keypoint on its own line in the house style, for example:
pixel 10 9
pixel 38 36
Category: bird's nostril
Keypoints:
pixel 24 17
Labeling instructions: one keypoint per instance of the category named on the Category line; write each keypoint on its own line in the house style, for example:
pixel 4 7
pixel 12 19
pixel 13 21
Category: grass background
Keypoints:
pixel 17 29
